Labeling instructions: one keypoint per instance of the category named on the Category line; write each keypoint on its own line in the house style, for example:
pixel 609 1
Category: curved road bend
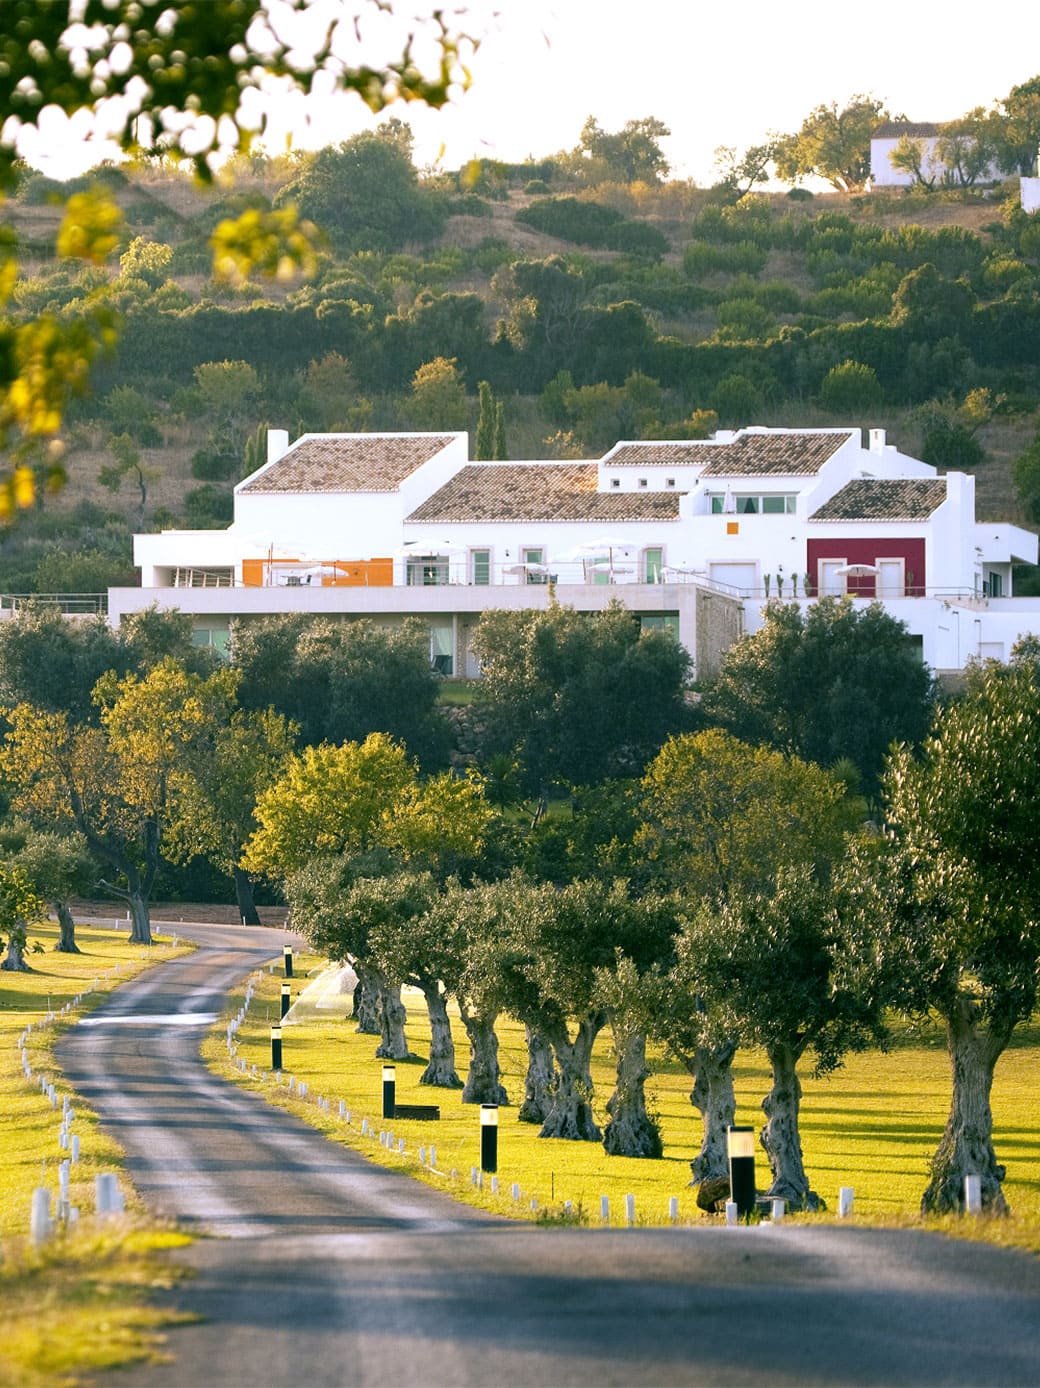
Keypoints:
pixel 333 1272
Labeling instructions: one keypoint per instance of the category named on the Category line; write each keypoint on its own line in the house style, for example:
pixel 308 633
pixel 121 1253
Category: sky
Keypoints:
pixel 715 74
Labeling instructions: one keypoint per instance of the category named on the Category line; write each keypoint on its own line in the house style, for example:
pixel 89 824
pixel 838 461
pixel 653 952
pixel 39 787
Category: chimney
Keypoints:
pixel 877 440
pixel 277 444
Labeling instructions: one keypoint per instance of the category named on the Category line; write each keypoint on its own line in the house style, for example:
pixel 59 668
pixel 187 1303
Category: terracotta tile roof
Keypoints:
pixel 349 463
pixel 658 454
pixel 882 498
pixel 539 492
pixel 894 129
pixel 773 455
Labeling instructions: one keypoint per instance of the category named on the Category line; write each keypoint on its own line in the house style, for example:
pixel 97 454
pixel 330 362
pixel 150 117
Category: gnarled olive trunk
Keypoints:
pixel 140 920
pixel 440 1069
pixel 66 929
pixel 483 1080
pixel 712 1096
pixel 366 999
pixel 540 1080
pixel 14 960
pixel 631 1132
pixel 392 1016
pixel 780 1136
pixel 966 1148
pixel 247 911
pixel 570 1115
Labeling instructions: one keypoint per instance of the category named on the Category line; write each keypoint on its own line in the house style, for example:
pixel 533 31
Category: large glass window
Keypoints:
pixel 660 621
pixel 442 648
pixel 533 558
pixel 653 562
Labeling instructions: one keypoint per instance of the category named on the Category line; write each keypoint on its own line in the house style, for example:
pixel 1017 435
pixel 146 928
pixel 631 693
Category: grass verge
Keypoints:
pixel 873 1126
pixel 79 1303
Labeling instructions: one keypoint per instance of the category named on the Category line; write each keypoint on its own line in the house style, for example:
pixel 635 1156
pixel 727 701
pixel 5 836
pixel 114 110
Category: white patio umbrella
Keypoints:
pixel 857 570
pixel 609 545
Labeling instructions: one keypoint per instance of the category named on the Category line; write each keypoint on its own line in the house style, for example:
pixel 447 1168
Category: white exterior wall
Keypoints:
pixel 883 175
pixel 951 565
pixel 327 526
pixel 1030 194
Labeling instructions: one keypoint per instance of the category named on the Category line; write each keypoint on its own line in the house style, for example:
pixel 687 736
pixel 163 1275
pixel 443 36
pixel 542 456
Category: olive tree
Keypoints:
pixel 961 820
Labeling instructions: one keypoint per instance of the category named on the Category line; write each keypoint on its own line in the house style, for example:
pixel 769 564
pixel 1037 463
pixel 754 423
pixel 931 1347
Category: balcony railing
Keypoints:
pixel 72 604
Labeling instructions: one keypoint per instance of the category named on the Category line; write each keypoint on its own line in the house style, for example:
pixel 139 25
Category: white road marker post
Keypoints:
pixel 846 1195
pixel 973 1195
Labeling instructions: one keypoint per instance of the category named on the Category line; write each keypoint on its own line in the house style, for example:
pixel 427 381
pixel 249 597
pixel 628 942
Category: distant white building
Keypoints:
pixel 884 142
pixel 690 536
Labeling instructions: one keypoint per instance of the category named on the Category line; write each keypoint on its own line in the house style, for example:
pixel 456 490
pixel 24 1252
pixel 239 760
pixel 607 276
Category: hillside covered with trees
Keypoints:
pixel 596 298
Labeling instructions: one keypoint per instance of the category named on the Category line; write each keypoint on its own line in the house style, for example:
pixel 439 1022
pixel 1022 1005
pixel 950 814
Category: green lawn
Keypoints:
pixel 872 1126
pixel 79 1303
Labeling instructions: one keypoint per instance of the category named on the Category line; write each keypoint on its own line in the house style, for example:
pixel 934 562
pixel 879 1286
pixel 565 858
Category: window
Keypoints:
pixel 653 562
pixel 533 558
pixel 642 481
pixel 756 504
pixel 427 570
pixel 480 567
pixel 212 638
pixel 669 482
pixel 442 644
pixel 615 481
pixel 891 582
pixel 994 585
pixel 660 621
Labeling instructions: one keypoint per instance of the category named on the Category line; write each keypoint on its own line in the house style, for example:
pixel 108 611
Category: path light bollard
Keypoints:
pixel 276 1048
pixel 433 1156
pixel 494 1185
pixel 515 1190
pixel 489 1137
pixel 286 999
pixel 973 1195
pixel 389 1090
pixel 731 1212
pixel 673 1209
pixel 604 1208
pixel 845 1197
pixel 75 1148
pixel 630 1210
pixel 740 1149
pixel 776 1209
pixel 287 960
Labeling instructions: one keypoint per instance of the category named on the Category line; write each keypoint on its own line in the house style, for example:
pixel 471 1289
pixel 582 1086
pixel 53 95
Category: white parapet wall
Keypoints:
pixel 1031 194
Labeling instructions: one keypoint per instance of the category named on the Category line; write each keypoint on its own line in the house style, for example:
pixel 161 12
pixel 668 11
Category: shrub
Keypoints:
pixel 850 387
pixel 536 187
pixel 800 194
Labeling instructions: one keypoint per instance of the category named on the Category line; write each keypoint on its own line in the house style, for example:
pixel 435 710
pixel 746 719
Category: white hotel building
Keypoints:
pixel 690 536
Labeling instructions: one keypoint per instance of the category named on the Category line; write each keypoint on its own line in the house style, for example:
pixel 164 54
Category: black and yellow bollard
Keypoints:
pixel 489 1137
pixel 389 1090
pixel 286 999
pixel 276 1048
pixel 740 1148
pixel 287 960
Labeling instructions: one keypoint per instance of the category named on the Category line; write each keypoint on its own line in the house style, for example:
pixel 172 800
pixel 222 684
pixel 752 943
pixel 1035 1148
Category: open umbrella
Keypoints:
pixel 858 570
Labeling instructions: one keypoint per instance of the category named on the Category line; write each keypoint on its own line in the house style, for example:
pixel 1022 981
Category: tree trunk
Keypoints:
pixel 247 912
pixel 540 1080
pixel 570 1115
pixel 483 1080
pixel 966 1148
pixel 14 959
pixel 631 1132
pixel 366 999
pixel 780 1136
pixel 440 1069
pixel 66 929
pixel 393 1045
pixel 712 1095
pixel 141 928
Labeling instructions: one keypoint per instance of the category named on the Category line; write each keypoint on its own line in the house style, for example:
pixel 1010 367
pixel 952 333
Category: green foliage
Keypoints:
pixel 827 683
pixel 438 396
pixel 631 154
pixel 365 192
pixel 593 224
pixel 850 388
pixel 544 672
pixel 340 681
pixel 833 143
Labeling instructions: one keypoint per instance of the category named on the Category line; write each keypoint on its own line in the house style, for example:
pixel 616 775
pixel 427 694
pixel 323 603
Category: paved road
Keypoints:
pixel 333 1272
